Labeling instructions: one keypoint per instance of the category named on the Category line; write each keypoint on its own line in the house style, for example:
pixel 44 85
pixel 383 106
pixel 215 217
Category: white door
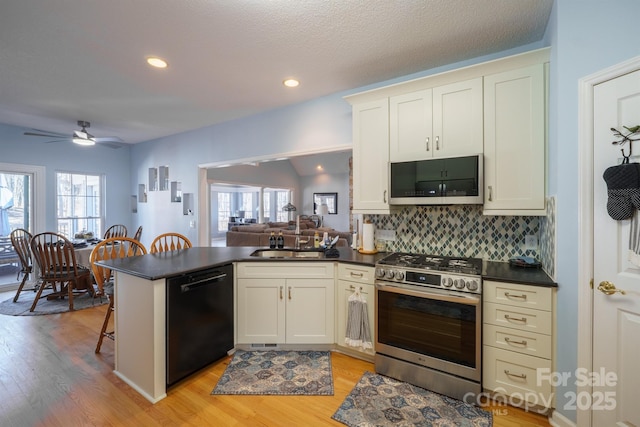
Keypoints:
pixel 616 317
pixel 22 194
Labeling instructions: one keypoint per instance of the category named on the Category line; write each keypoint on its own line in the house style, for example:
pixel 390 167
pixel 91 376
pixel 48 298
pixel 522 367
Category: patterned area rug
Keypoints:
pixel 382 401
pixel 44 306
pixel 278 372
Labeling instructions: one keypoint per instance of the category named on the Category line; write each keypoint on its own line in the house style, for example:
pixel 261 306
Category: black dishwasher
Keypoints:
pixel 199 320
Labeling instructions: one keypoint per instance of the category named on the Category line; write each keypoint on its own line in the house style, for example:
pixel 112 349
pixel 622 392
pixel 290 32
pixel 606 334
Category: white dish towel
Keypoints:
pixel 634 239
pixel 358 332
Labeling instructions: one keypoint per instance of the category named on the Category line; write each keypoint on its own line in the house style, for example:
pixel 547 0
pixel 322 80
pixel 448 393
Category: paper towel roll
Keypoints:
pixel 368 243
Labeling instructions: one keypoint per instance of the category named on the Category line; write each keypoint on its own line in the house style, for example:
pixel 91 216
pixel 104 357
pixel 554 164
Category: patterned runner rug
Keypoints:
pixel 278 373
pixel 45 306
pixel 382 401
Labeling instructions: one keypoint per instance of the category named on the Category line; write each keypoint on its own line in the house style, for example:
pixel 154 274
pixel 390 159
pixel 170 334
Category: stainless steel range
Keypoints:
pixel 429 322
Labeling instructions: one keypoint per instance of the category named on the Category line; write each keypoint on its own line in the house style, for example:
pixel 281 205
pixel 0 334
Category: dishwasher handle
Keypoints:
pixel 187 287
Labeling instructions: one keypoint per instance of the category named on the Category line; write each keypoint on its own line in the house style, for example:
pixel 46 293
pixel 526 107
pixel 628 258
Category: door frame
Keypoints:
pixel 585 215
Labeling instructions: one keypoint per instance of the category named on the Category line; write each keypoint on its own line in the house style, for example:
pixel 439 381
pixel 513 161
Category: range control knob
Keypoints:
pixel 459 283
pixel 399 275
pixel 379 273
pixel 389 274
pixel 472 285
pixel 447 282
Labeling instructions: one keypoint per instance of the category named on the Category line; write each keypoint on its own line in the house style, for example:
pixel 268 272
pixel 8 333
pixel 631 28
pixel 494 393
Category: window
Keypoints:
pixel 246 205
pixel 224 210
pixel 79 203
pixel 282 198
pixel 267 206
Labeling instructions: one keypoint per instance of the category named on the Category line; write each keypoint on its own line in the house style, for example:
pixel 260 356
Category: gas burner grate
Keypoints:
pixel 434 262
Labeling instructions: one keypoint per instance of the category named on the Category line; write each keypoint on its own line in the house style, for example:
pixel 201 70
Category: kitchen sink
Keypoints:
pixel 287 253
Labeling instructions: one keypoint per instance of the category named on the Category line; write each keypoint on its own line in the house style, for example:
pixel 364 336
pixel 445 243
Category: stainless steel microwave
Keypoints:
pixel 437 181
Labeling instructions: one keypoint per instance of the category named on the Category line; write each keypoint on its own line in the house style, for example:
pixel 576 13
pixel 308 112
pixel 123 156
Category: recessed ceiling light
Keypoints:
pixel 154 61
pixel 291 83
pixel 319 167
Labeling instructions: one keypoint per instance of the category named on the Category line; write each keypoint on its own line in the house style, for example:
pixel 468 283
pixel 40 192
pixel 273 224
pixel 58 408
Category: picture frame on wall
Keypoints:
pixel 325 203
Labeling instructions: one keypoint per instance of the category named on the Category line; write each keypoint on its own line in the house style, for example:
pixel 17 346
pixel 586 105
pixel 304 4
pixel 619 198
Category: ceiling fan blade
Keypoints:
pixel 56 140
pixel 102 139
pixel 46 134
pixel 111 142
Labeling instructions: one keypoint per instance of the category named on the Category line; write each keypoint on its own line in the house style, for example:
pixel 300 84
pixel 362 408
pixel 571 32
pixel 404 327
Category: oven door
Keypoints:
pixel 436 328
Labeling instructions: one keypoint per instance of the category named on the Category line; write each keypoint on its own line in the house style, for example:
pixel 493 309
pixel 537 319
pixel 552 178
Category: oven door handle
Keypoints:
pixel 435 294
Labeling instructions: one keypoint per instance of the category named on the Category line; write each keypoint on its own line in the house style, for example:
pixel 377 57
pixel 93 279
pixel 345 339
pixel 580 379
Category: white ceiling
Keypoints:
pixel 68 60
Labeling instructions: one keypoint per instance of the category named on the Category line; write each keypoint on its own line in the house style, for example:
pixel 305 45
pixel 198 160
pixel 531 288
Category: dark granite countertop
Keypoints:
pixel 503 272
pixel 169 264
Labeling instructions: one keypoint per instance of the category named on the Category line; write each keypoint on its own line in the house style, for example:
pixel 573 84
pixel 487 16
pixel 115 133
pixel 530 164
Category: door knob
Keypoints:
pixel 609 288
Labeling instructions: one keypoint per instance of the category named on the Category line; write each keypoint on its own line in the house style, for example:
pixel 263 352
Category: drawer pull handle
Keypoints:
pixel 523 342
pixel 356 274
pixel 519 376
pixel 289 292
pixel 522 297
pixel 515 319
pixel 280 292
pixel 353 288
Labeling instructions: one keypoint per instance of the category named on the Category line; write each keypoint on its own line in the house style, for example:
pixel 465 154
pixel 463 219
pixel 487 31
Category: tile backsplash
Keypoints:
pixel 462 230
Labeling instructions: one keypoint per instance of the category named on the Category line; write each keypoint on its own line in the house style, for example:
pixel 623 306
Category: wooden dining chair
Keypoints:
pixel 138 234
pixel 169 242
pixel 56 260
pixel 117 230
pixel 21 240
pixel 115 247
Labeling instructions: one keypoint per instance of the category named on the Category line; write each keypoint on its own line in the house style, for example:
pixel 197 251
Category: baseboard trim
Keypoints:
pixel 559 420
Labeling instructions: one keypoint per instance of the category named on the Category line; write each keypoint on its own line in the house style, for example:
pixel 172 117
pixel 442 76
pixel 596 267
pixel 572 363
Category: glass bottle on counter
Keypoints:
pixel 272 240
pixel 280 241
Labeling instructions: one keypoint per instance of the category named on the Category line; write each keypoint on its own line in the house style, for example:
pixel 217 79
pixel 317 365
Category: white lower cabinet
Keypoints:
pixel 350 278
pixel 518 342
pixel 285 303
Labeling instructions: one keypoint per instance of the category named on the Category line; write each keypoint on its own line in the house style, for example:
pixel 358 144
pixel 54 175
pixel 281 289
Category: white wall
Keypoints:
pixel 337 183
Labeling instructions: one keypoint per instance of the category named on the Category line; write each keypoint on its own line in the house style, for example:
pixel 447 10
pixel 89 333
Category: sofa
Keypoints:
pixel 258 234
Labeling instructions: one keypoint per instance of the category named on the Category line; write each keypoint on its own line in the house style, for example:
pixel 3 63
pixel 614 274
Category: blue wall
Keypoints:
pixel 69 157
pixel 586 36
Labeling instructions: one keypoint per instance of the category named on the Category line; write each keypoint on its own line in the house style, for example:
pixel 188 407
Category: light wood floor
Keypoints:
pixel 50 376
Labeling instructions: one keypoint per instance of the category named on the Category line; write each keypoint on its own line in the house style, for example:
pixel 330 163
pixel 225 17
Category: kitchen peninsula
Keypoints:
pixel 141 319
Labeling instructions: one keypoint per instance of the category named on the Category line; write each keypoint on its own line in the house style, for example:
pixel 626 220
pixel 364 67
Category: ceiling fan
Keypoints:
pixel 80 137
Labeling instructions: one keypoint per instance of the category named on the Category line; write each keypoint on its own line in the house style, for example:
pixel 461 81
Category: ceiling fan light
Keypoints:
pixel 82 138
pixel 83 141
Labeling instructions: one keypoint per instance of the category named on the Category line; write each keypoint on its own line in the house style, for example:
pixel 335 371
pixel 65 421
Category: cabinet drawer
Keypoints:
pixel 513 373
pixel 284 270
pixel 354 273
pixel 538 345
pixel 516 295
pixel 518 318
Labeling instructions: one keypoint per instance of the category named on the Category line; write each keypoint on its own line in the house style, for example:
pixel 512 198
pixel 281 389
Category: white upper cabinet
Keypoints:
pixel 411 126
pixel 443 121
pixel 371 157
pixel 496 108
pixel 514 142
